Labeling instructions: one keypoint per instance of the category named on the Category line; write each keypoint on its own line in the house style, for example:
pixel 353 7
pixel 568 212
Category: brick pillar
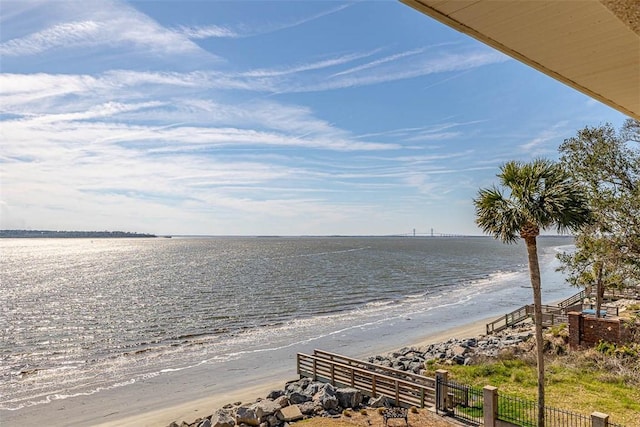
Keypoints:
pixel 490 407
pixel 575 329
pixel 598 419
pixel 442 381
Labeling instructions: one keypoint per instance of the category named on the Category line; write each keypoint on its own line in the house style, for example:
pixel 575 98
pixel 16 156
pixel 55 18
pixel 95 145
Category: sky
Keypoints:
pixel 261 118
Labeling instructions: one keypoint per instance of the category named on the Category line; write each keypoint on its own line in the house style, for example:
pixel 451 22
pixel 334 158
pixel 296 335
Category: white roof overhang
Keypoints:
pixel 590 45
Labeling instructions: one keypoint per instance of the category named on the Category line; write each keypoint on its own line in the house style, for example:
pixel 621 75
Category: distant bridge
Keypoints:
pixel 430 233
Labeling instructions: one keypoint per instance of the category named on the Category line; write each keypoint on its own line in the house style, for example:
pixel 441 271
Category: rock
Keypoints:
pixel 349 397
pixel 222 418
pixel 264 408
pixel 282 401
pixel 296 398
pixel 459 359
pixel 398 365
pixel 379 402
pixel 273 421
pixel 415 367
pixel 247 416
pixel 290 413
pixel 313 388
pixel 205 423
pixel 303 383
pixel 459 350
pixel 326 397
pixel 471 342
pixel 308 408
pixel 274 394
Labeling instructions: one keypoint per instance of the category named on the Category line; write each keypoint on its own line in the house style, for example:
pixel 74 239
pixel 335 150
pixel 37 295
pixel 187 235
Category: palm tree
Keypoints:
pixel 536 196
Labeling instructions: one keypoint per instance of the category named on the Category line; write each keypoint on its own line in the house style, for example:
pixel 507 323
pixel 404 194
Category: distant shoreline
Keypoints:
pixel 44 234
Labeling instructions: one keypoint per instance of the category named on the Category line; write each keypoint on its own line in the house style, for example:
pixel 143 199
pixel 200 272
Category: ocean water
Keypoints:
pixel 84 317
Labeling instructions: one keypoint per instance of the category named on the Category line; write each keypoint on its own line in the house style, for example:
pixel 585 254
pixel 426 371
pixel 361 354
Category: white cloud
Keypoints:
pixel 547 140
pixel 110 24
pixel 331 62
pixel 219 31
pixel 176 144
pixel 392 71
pixel 208 31
pixel 381 61
pixel 66 34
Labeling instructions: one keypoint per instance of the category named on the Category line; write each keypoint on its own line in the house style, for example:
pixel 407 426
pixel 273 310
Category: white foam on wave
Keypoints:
pixel 50 397
pixel 313 254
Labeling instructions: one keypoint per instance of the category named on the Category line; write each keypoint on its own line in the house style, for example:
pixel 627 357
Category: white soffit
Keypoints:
pixel 590 45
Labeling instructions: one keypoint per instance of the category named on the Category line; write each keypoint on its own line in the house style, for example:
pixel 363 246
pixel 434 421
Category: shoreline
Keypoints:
pixel 187 382
pixel 191 410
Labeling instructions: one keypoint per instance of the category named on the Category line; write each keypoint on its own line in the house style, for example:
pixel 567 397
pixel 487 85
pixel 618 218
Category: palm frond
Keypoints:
pixel 541 193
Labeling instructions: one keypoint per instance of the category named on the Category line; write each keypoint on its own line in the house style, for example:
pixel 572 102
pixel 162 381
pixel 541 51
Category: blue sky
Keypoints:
pixel 261 117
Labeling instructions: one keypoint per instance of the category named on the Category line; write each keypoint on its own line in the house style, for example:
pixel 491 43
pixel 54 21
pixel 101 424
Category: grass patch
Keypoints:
pixel 582 382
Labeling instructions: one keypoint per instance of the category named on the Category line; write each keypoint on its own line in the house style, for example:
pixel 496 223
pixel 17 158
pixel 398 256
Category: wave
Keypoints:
pixel 236 337
pixel 313 254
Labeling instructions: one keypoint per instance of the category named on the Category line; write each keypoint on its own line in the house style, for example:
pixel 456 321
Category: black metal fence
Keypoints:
pixel 463 402
pixel 524 413
pixel 466 404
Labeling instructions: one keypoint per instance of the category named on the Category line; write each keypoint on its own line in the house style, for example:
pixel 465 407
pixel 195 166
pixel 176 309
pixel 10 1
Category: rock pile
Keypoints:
pixel 453 351
pixel 307 398
pixel 299 399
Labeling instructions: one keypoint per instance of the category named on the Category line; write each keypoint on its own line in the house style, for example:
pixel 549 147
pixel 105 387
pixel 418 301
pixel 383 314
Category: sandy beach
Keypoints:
pixel 185 353
pixel 204 406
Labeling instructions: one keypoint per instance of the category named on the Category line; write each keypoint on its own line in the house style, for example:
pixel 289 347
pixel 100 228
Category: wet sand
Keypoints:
pixel 205 406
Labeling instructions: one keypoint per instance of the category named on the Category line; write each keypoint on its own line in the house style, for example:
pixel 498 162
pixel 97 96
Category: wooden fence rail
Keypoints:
pixel 551 315
pixel 385 370
pixel 509 319
pixel 577 298
pixel 406 389
pixel 392 383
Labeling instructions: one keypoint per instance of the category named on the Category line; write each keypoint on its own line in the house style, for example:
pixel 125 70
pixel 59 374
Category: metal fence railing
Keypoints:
pixel 524 413
pixel 463 402
pixel 466 404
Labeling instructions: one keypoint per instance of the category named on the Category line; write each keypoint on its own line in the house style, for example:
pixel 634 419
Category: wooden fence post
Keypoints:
pixel 333 374
pixel 442 389
pixel 373 386
pixel 490 406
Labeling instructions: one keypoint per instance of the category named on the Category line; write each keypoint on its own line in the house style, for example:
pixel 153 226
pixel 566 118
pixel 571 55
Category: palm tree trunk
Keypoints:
pixel 534 273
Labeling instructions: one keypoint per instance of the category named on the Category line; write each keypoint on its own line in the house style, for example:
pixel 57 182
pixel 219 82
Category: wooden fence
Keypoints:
pixel 551 315
pixel 509 319
pixel 457 400
pixel 406 389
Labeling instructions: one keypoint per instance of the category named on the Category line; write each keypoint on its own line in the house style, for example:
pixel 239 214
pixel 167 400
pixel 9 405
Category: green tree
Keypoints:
pixel 607 164
pixel 533 196
pixel 595 261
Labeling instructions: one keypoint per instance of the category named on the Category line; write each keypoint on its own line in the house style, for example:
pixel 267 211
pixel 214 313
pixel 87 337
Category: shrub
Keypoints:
pixel 559 330
pixel 606 348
